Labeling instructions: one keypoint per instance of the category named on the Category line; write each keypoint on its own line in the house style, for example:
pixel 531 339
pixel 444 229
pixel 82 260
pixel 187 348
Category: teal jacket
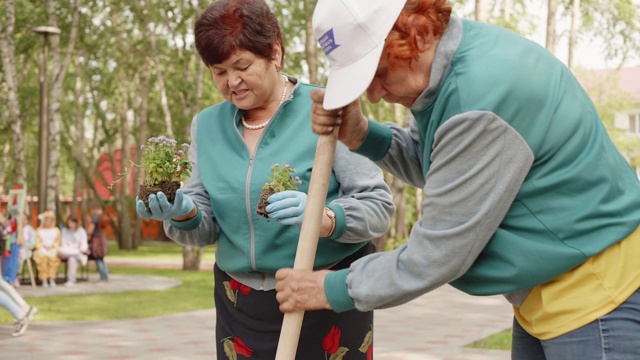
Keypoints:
pixel 521 181
pixel 227 181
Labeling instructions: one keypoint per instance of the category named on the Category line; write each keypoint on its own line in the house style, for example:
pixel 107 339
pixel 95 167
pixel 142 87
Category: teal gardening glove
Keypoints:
pixel 161 209
pixel 287 207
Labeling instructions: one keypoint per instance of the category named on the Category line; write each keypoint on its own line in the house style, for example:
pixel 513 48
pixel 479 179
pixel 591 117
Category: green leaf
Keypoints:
pixel 230 294
pixel 339 355
pixel 229 349
pixel 366 342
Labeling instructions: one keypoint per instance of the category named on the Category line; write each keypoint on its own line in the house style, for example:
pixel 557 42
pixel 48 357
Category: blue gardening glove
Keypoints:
pixel 287 207
pixel 161 209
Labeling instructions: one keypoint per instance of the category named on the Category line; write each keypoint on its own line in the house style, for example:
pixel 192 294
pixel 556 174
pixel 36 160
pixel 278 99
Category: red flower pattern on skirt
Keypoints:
pixel 244 289
pixel 241 348
pixel 331 342
pixel 234 284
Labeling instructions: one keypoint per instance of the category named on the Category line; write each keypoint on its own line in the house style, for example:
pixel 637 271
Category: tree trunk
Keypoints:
pixel 575 15
pixel 7 52
pixel 380 242
pixel 419 198
pixel 506 10
pixel 161 87
pixel 142 120
pixel 401 116
pixel 5 160
pixel 196 98
pixel 123 196
pixel 551 26
pixel 311 46
pixel 397 189
pixel 191 258
pixel 79 141
pixel 59 66
pixel 480 12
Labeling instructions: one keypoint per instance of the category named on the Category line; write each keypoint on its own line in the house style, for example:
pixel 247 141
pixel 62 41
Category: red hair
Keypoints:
pixel 419 18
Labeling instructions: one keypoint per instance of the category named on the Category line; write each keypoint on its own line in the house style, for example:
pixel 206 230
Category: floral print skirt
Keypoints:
pixel 248 324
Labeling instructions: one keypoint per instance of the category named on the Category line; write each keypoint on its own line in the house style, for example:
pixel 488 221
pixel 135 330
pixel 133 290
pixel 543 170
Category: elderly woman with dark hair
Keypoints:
pixel 263 121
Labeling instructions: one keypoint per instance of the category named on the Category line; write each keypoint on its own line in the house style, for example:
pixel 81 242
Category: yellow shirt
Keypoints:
pixel 584 294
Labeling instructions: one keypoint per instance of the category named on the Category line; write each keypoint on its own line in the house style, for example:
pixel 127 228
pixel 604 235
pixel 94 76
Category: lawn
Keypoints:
pixel 156 250
pixel 499 341
pixel 195 293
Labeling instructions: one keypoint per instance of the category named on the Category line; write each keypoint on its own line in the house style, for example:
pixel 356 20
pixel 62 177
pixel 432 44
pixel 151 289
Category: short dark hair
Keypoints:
pixel 227 26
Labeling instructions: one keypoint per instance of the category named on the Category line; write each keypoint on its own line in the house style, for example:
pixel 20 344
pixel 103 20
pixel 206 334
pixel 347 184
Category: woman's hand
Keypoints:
pixel 161 209
pixel 287 207
pixel 299 290
pixel 353 124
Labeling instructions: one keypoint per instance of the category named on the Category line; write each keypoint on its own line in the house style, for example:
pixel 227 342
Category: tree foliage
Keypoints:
pixel 133 73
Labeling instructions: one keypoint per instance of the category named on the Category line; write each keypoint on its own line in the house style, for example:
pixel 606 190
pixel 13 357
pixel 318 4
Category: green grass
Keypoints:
pixel 156 250
pixel 499 341
pixel 195 293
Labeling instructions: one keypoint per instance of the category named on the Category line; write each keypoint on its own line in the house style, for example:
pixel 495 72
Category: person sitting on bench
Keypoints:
pixel 74 248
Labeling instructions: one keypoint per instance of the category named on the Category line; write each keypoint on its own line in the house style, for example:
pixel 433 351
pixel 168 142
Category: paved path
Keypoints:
pixel 435 326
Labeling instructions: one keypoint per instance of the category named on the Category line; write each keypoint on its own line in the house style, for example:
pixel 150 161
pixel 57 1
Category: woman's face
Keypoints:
pixel 72 225
pixel 401 84
pixel 247 80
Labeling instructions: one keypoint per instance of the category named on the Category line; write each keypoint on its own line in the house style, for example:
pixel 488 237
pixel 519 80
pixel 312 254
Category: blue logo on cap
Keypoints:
pixel 328 43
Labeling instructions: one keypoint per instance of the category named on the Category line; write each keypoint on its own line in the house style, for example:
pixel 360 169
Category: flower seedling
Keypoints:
pixel 164 166
pixel 280 181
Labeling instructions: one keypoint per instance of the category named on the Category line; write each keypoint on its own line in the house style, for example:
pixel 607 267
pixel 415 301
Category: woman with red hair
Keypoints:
pixel 525 194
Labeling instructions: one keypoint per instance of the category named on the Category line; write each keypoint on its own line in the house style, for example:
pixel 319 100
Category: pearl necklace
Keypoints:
pixel 264 124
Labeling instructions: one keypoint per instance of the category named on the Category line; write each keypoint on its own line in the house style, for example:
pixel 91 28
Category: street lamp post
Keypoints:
pixel 43 158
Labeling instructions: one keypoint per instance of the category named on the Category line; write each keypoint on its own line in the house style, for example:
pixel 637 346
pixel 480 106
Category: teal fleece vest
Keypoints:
pixel 249 242
pixel 580 196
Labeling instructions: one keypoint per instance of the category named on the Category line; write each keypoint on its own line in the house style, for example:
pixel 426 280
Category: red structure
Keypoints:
pixel 106 175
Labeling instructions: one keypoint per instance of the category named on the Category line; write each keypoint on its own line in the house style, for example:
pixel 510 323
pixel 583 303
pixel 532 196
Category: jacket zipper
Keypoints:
pixel 247 196
pixel 247 185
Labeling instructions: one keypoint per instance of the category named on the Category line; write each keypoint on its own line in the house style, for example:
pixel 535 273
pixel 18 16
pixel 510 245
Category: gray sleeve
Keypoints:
pixel 403 159
pixel 478 165
pixel 364 196
pixel 206 232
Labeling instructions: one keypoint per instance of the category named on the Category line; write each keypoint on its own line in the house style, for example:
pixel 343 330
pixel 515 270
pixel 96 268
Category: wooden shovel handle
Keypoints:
pixel 309 234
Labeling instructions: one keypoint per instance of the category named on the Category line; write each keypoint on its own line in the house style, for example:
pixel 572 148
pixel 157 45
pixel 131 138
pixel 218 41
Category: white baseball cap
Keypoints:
pixel 352 34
